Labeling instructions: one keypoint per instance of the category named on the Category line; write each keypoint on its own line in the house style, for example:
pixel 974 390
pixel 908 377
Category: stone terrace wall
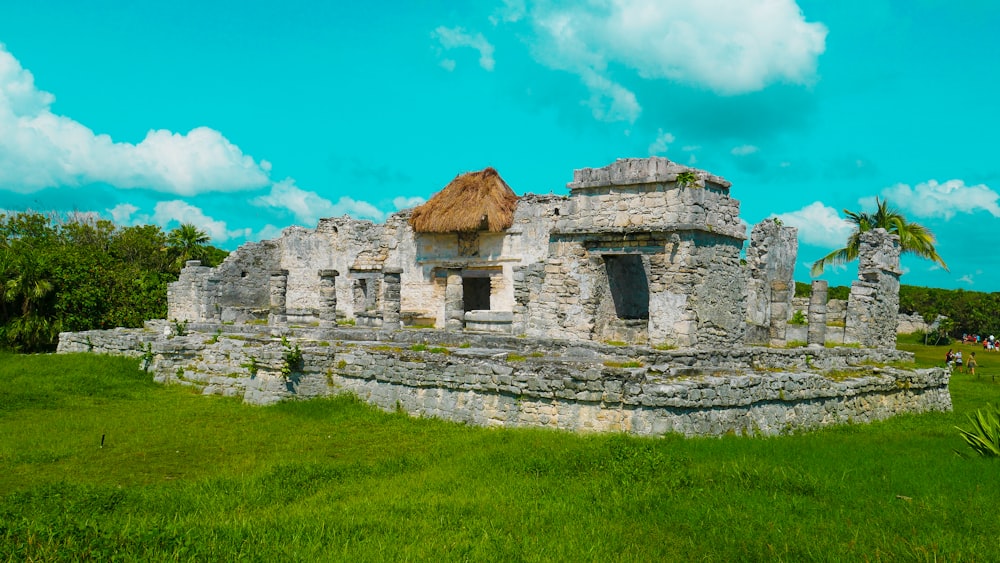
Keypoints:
pixel 567 386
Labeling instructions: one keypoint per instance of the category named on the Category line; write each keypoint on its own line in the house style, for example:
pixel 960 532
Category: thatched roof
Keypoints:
pixel 474 201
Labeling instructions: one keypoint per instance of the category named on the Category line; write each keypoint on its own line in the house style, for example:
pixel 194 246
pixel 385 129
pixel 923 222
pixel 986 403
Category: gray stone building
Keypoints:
pixel 642 251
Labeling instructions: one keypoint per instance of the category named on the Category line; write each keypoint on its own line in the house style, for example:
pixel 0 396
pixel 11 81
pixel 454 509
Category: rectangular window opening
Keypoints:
pixel 476 293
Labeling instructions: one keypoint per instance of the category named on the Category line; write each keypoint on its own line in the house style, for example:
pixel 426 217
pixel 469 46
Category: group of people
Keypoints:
pixel 954 360
pixel 990 343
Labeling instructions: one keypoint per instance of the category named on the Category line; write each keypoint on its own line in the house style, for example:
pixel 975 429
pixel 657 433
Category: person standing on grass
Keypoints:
pixel 948 358
pixel 971 368
pixel 958 360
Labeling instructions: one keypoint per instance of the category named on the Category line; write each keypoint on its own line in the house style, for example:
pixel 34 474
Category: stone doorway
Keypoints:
pixel 629 285
pixel 476 293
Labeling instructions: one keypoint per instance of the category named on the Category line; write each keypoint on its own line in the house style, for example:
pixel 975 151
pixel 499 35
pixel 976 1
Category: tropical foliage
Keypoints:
pixel 914 238
pixel 76 272
pixel 984 436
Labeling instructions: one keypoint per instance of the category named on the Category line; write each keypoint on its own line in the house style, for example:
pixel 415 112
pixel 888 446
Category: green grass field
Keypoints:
pixel 191 478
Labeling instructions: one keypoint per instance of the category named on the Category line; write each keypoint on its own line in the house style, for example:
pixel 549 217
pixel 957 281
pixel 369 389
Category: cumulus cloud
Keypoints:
pixel 728 47
pixel 933 199
pixel 39 149
pixel 819 225
pixel 309 207
pixel 456 37
pixel 407 202
pixel 744 150
pixel 662 142
pixel 122 213
pixel 967 279
pixel 168 214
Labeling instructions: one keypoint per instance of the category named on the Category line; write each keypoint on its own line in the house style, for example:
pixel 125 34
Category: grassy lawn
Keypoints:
pixel 186 477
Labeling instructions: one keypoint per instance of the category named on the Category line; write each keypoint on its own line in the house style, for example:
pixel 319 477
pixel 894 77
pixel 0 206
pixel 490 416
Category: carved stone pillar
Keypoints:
pixel 328 298
pixel 454 301
pixel 779 313
pixel 816 335
pixel 278 286
pixel 391 299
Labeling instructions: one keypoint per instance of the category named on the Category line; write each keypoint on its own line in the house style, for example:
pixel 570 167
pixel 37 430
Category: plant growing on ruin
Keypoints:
pixel 292 359
pixel 798 318
pixel 984 436
pixel 686 179
pixel 252 366
pixel 146 359
pixel 180 328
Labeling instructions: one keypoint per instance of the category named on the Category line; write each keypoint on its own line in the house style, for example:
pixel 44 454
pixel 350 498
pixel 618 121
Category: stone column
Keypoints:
pixel 873 305
pixel 278 286
pixel 454 301
pixel 211 311
pixel 779 313
pixel 817 314
pixel 328 298
pixel 391 298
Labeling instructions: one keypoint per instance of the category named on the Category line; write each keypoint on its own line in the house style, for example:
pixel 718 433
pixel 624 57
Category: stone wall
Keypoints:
pixel 873 305
pixel 505 381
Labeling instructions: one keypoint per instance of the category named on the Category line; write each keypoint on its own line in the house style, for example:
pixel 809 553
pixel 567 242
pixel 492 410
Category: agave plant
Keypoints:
pixel 984 437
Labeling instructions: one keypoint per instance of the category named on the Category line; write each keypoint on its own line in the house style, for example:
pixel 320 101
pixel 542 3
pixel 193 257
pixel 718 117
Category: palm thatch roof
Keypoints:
pixel 474 201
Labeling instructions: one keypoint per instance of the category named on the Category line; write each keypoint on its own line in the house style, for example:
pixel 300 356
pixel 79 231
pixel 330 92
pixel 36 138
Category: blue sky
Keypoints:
pixel 245 117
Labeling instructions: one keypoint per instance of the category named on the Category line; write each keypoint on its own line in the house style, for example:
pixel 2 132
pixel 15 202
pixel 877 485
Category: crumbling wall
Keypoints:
pixel 770 258
pixel 873 305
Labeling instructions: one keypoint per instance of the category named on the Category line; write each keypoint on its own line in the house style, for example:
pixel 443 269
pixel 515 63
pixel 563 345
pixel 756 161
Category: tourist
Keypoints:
pixel 948 358
pixel 971 368
pixel 958 359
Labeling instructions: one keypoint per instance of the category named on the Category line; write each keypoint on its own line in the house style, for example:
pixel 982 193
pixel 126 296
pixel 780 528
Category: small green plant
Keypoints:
pixel 323 344
pixel 180 328
pixel 252 366
pixel 341 364
pixel 146 359
pixel 795 344
pixel 418 348
pixel 465 345
pixel 798 318
pixel 179 373
pixel 686 179
pixel 215 337
pixel 777 221
pixel 984 436
pixel 512 357
pixel 292 359
pixel 663 347
pixel 439 350
pixel 346 322
pixel 615 343
pixel 90 344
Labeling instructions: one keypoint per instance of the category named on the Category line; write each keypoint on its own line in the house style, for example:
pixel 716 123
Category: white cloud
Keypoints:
pixel 931 199
pixel 122 213
pixel 819 225
pixel 455 37
pixel 167 213
pixel 269 232
pixel 407 202
pixel 744 150
pixel 967 279
pixel 310 207
pixel 726 46
pixel 39 149
pixel 512 11
pixel 662 142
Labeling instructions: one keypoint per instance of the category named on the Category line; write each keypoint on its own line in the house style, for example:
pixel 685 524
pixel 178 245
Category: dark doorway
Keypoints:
pixel 476 294
pixel 629 286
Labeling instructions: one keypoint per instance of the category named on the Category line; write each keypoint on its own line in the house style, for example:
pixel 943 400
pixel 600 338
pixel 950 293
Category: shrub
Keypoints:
pixel 798 318
pixel 984 437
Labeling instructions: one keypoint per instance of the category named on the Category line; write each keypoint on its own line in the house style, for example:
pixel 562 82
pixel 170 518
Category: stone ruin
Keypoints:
pixel 635 280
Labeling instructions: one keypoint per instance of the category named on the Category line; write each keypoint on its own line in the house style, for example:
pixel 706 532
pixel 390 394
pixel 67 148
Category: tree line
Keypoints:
pixel 75 272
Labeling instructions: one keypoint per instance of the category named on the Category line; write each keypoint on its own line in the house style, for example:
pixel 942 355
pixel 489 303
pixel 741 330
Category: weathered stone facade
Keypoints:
pixel 644 254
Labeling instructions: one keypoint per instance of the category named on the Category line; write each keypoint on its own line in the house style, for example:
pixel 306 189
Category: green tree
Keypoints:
pixel 187 242
pixel 914 238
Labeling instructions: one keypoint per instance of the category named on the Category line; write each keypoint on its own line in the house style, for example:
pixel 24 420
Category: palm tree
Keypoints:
pixel 188 241
pixel 914 238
